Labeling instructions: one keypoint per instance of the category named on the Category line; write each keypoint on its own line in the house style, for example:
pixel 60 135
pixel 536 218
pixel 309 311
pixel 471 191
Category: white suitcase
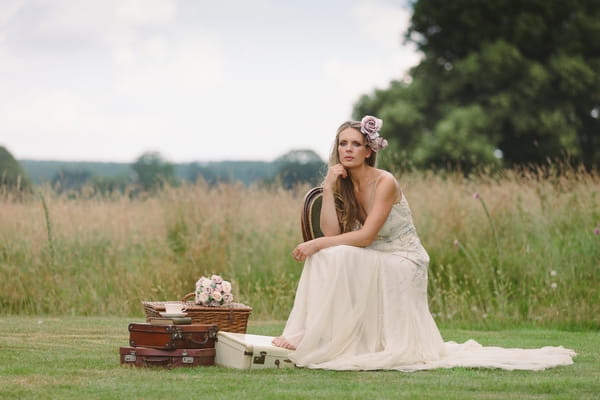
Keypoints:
pixel 245 351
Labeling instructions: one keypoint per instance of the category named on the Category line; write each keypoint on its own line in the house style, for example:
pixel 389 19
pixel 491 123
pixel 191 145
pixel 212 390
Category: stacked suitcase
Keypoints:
pixel 173 341
pixel 170 345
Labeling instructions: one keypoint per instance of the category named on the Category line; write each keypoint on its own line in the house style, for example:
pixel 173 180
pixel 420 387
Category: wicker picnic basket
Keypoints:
pixel 228 318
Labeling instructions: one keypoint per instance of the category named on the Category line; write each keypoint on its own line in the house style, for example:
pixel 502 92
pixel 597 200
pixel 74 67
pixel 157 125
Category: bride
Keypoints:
pixel 361 302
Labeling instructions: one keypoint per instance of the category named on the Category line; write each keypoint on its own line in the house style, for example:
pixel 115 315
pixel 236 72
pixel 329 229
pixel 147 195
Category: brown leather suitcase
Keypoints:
pixel 170 337
pixel 145 357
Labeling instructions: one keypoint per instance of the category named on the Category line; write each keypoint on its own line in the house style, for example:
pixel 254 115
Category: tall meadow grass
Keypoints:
pixel 519 247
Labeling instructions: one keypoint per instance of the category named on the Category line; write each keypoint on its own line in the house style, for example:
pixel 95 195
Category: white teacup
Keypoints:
pixel 174 308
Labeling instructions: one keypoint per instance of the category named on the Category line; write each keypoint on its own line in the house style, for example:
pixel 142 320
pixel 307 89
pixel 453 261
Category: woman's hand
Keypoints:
pixel 333 173
pixel 306 249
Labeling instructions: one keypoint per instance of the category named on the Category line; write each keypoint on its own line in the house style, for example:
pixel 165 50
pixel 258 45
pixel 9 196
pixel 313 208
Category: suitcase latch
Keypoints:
pixel 278 363
pixel 185 359
pixel 260 359
pixel 176 334
pixel 130 358
pixel 212 332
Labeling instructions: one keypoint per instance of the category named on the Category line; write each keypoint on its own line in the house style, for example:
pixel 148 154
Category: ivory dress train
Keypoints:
pixel 366 309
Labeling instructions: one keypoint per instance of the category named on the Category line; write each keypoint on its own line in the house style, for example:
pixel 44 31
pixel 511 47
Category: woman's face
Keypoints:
pixel 352 149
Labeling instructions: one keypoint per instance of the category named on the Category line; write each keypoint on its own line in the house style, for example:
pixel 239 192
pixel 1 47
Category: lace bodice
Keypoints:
pixel 398 234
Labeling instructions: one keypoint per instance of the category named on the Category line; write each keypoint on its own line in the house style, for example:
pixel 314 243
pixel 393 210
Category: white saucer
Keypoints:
pixel 175 315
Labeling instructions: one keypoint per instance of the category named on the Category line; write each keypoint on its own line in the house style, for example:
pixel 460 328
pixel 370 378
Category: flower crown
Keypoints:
pixel 369 127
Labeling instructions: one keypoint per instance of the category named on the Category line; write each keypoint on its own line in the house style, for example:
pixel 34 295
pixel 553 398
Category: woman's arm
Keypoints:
pixel 385 196
pixel 328 219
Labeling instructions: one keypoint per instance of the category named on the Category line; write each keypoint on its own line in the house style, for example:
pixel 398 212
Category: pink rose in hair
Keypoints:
pixel 370 126
pixel 378 144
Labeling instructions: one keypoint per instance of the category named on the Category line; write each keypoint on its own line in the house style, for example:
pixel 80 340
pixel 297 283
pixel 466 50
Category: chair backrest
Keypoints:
pixel 311 214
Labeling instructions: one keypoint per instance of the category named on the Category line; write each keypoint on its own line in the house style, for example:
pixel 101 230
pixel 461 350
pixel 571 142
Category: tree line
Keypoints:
pixel 151 171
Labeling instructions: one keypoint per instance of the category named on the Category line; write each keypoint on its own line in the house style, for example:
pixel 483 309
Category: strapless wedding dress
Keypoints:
pixel 366 309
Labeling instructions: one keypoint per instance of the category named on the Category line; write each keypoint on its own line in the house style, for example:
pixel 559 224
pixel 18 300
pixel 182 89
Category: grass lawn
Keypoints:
pixel 77 357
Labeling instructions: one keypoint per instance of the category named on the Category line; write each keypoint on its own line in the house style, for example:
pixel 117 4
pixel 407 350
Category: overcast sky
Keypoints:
pixel 196 80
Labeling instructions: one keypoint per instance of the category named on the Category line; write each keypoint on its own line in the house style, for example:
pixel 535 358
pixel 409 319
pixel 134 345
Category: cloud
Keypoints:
pixel 145 12
pixel 99 18
pixel 164 67
pixel 77 129
pixel 381 26
pixel 352 77
pixel 57 112
pixel 8 9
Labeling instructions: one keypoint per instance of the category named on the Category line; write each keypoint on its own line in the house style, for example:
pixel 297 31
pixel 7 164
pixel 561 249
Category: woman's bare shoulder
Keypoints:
pixel 388 182
pixel 382 174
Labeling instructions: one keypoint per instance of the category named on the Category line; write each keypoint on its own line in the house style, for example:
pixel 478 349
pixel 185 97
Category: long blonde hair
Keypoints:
pixel 349 212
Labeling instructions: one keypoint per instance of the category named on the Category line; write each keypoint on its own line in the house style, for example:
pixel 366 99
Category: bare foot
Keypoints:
pixel 281 342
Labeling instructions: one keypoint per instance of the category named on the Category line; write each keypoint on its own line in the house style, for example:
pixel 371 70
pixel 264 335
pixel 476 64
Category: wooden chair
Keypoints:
pixel 311 214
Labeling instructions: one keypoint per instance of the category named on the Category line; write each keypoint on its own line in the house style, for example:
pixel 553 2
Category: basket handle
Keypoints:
pixel 188 296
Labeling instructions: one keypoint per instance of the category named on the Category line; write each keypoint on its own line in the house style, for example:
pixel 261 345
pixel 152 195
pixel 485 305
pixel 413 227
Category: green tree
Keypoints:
pixel 520 78
pixel 107 185
pixel 298 167
pixel 153 172
pixel 12 175
pixel 197 171
pixel 70 179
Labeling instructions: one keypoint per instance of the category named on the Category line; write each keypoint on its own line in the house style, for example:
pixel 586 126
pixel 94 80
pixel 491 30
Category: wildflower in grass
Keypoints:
pixel 553 285
pixel 597 231
pixel 466 252
pixel 476 196
pixel 553 273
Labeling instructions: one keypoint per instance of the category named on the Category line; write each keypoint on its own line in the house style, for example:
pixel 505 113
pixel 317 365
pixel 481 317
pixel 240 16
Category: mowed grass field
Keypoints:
pixel 78 357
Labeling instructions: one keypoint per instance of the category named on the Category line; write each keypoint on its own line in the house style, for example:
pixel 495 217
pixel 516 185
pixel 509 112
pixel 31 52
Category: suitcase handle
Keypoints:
pixel 165 360
pixel 178 334
pixel 197 342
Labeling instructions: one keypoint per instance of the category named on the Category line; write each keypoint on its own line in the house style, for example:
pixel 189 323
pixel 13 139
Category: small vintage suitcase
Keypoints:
pixel 170 337
pixel 245 351
pixel 145 357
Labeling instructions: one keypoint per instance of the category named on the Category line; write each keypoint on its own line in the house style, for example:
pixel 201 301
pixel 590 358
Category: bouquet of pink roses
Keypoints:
pixel 213 292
